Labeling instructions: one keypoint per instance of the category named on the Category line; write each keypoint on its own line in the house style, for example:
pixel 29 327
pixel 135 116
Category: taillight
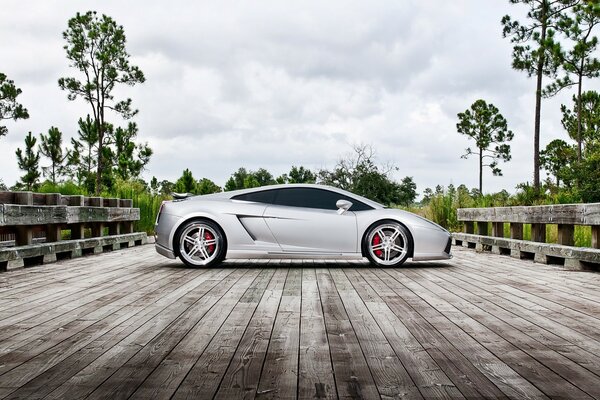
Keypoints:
pixel 160 211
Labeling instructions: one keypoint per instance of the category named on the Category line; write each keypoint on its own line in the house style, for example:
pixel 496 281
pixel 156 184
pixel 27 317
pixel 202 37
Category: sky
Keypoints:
pixel 273 84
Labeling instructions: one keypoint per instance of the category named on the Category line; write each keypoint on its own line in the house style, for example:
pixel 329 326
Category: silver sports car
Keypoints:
pixel 294 221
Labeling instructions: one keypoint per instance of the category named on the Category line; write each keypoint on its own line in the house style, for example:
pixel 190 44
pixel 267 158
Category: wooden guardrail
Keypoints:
pixel 477 222
pixel 32 226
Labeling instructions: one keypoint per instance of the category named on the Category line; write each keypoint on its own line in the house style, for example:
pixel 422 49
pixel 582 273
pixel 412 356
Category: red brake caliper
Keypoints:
pixel 376 240
pixel 209 236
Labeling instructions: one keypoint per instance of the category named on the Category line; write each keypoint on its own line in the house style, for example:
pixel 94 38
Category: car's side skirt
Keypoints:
pixel 237 254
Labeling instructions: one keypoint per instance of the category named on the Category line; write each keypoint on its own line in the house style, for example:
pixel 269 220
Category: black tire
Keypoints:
pixel 391 250
pixel 196 251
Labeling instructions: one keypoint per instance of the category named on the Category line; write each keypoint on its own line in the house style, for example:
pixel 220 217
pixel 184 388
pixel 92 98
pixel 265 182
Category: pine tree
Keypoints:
pixel 96 48
pixel 533 52
pixel 29 162
pixel 51 148
pixel 483 123
pixel 9 107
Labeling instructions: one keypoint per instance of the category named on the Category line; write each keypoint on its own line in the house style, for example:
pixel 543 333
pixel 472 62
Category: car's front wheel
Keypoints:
pixel 200 243
pixel 387 244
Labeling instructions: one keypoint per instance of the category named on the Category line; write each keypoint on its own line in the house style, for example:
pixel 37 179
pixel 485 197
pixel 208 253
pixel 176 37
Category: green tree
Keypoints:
pixel 83 157
pixel 166 187
pixel 579 61
pixel 154 186
pixel 96 47
pixel 588 173
pixel 484 124
pixel 237 180
pixel 29 162
pixel 301 175
pixel 186 183
pixel 582 122
pixel 534 52
pixel 128 158
pixel 244 179
pixel 206 186
pixel 9 107
pixel 263 177
pixel 556 159
pixel 51 148
pixel 358 173
pixel 408 191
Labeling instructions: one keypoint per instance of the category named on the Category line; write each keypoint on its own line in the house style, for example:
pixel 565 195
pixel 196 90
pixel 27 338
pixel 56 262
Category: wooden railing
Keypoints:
pixel 477 225
pixel 29 222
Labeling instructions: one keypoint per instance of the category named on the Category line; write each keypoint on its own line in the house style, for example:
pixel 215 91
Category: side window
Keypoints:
pixel 263 196
pixel 315 198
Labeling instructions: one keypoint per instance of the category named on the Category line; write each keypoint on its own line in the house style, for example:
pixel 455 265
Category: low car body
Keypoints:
pixel 294 221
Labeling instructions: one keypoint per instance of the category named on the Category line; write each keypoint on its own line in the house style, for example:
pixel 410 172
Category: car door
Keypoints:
pixel 306 220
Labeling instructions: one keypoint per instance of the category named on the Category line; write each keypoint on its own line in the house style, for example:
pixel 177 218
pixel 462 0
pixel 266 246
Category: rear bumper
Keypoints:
pixel 163 251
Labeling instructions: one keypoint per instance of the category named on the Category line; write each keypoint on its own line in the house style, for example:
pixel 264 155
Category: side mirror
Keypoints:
pixel 343 206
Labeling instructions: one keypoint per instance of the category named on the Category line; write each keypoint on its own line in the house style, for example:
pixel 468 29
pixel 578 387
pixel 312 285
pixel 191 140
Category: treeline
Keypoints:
pixel 357 172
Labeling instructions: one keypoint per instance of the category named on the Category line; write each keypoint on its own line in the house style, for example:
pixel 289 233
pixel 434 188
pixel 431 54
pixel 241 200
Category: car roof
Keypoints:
pixel 233 193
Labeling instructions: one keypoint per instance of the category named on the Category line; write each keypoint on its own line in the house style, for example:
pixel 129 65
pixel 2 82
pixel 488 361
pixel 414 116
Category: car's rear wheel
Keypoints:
pixel 200 243
pixel 387 244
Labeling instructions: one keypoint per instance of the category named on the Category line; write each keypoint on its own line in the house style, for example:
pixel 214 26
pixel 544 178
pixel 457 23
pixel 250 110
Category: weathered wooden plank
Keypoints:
pixel 40 249
pixel 577 214
pixel 426 374
pixel 172 299
pixel 488 363
pixel 516 358
pixel 316 380
pixel 204 378
pixel 352 375
pixel 80 332
pixel 176 317
pixel 178 348
pixel 279 377
pixel 243 374
pixel 481 326
pixel 553 333
pixel 390 375
pixel 545 249
pixel 471 381
pixel 489 324
pixel 13 215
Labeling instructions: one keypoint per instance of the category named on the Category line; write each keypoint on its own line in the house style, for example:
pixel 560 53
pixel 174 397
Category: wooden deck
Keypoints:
pixel 131 324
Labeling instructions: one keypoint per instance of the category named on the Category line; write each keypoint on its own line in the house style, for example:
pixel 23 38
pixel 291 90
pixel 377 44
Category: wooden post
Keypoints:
pixel 538 233
pixel 469 227
pixel 596 236
pixel 566 234
pixel 23 233
pixel 97 227
pixel 516 230
pixel 482 228
pixel 127 227
pixel 127 203
pixel 77 230
pixel 53 231
pixel 114 228
pixel 498 229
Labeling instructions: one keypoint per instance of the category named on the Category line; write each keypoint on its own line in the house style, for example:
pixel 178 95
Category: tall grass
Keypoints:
pixel 148 204
pixel 442 208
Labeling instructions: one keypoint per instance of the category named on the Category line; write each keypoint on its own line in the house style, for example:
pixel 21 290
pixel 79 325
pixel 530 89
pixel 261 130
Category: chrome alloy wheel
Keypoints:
pixel 388 244
pixel 199 244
